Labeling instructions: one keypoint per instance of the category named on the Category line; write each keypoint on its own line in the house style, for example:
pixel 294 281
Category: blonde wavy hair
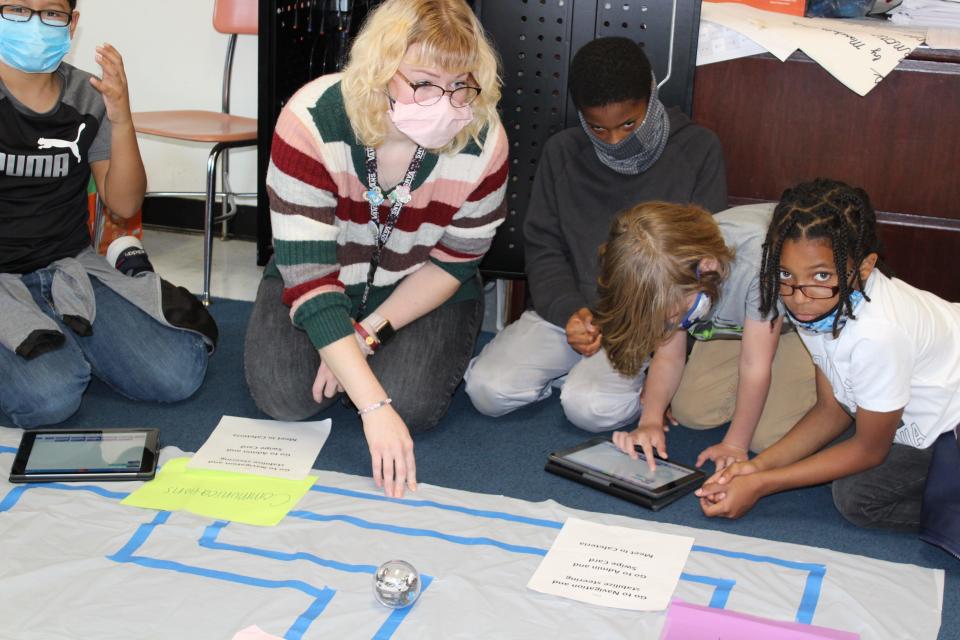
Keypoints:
pixel 648 269
pixel 450 38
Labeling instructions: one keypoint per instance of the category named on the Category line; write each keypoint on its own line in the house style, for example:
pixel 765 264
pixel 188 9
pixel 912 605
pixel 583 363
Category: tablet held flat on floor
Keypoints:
pixel 598 463
pixel 71 455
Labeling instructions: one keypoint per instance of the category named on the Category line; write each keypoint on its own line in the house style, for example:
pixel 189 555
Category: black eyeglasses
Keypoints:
pixel 49 17
pixel 813 291
pixel 427 94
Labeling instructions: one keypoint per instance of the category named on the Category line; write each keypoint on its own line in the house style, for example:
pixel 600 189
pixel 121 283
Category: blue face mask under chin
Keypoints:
pixel 824 323
pixel 31 46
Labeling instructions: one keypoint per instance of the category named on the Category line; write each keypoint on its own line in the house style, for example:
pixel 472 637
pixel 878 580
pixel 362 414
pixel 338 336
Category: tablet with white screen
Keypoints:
pixel 600 464
pixel 64 455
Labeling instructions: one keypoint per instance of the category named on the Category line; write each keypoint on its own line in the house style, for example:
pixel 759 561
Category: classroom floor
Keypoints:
pixel 178 257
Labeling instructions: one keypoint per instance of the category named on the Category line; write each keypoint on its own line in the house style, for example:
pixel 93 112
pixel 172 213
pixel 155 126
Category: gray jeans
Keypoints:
pixel 525 360
pixel 890 495
pixel 419 369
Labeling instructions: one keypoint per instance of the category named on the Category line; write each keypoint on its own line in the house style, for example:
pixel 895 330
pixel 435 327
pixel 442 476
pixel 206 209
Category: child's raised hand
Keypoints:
pixel 113 85
pixel 722 454
pixel 646 436
pixel 582 335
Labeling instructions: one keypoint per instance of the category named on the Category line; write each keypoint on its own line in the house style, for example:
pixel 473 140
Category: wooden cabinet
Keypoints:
pixel 786 122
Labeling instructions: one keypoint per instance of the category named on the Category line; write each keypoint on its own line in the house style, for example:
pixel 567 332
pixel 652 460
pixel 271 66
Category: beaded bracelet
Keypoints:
pixel 374 406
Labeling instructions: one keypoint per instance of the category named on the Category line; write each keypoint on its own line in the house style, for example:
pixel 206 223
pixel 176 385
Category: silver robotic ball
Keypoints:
pixel 396 584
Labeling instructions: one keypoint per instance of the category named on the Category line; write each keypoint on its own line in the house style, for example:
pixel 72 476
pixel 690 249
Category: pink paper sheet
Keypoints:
pixel 693 622
pixel 254 633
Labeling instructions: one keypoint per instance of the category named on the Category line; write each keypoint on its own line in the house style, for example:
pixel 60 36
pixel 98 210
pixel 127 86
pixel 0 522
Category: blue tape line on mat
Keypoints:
pixel 812 586
pixel 808 602
pixel 497 515
pixel 805 612
pixel 411 531
pixel 321 597
pixel 12 497
pixel 8 449
pixel 305 619
pixel 14 494
pixel 386 630
pixel 209 540
pixel 722 586
pixel 811 595
pixel 390 625
pixel 139 537
pixel 721 592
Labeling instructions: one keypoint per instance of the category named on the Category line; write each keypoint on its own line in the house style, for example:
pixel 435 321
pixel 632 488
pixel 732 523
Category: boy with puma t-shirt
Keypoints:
pixel 67 313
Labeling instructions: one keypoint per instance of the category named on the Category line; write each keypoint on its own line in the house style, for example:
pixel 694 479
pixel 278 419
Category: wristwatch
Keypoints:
pixel 383 330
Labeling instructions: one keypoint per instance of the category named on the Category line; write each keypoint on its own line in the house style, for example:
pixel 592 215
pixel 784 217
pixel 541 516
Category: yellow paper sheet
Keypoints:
pixel 223 495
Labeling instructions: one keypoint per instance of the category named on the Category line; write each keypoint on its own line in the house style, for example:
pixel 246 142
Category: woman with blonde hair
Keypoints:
pixel 671 272
pixel 386 187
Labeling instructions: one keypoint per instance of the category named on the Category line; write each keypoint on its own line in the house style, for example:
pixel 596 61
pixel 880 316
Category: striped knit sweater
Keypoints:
pixel 323 236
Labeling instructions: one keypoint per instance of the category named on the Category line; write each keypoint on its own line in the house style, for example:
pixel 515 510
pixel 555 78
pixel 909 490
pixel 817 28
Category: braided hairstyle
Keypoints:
pixel 822 209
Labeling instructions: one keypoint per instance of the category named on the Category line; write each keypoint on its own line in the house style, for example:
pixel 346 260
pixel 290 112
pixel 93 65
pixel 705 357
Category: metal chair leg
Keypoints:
pixel 209 218
pixel 99 219
pixel 209 206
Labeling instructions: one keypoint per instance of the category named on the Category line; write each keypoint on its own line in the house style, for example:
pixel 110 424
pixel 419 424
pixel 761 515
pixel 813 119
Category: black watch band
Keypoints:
pixel 385 332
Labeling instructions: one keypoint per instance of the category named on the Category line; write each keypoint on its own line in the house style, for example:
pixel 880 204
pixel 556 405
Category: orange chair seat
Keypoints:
pixel 198 126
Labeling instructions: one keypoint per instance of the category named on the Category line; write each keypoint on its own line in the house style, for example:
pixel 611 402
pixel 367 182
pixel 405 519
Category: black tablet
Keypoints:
pixel 600 464
pixel 65 455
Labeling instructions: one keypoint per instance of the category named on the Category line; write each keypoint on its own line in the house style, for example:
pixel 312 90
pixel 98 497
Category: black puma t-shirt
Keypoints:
pixel 44 171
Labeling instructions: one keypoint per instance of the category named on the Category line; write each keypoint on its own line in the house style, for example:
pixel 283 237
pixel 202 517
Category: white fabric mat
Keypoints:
pixel 74 563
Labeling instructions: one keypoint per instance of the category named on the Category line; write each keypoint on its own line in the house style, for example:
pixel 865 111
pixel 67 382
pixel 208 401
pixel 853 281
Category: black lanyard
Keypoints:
pixel 374 197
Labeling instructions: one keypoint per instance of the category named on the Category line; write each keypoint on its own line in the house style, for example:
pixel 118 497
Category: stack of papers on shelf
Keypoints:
pixel 940 17
pixel 858 53
pixel 943 13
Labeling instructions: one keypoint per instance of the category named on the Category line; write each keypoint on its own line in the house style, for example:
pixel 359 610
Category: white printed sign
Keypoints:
pixel 262 447
pixel 612 566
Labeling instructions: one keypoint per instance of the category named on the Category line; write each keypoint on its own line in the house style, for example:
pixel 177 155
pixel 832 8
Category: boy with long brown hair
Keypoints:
pixel 670 273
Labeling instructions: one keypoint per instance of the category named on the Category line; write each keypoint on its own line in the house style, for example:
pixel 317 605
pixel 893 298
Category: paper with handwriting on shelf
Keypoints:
pixel 263 447
pixel 687 621
pixel 237 497
pixel 612 566
pixel 858 53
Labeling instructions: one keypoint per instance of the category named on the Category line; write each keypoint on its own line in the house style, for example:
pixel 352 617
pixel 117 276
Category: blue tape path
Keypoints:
pixel 480 513
pixel 321 597
pixel 808 601
pixel 805 612
pixel 386 630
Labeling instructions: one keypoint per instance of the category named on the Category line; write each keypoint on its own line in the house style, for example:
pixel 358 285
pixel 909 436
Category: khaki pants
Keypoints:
pixel 708 390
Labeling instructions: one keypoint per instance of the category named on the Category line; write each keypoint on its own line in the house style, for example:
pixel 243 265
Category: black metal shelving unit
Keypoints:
pixel 536 40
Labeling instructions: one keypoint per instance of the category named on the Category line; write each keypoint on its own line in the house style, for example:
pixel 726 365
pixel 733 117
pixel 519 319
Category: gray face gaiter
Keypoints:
pixel 638 151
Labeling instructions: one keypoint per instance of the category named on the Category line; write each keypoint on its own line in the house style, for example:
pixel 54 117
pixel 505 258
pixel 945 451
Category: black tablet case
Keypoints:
pixel 601 483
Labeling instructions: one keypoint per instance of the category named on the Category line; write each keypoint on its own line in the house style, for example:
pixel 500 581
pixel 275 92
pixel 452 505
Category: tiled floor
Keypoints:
pixel 178 257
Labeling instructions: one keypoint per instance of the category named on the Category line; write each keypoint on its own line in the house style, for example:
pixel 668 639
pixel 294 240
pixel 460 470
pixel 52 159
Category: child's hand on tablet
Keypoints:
pixel 646 437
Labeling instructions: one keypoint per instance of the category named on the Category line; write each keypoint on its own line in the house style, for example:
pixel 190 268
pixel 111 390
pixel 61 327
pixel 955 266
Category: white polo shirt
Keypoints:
pixel 901 351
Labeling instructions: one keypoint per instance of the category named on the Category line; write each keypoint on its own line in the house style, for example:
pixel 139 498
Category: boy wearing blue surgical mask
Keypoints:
pixel 67 312
pixel 627 149
pixel 886 357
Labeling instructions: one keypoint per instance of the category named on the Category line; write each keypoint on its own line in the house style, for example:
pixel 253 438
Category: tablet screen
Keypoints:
pixel 90 452
pixel 606 458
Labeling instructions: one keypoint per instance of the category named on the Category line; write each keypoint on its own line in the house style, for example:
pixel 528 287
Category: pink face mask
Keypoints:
pixel 430 127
